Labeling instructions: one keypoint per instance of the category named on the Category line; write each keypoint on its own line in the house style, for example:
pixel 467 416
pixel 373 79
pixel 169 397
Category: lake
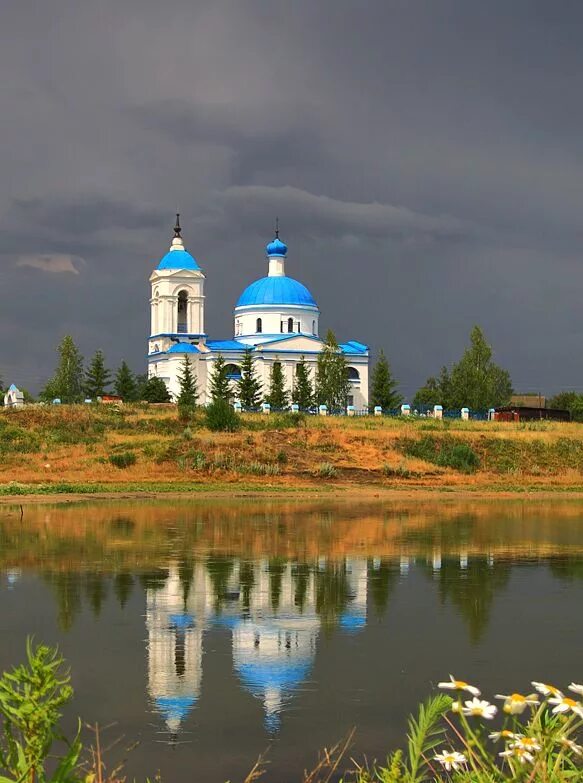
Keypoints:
pixel 212 632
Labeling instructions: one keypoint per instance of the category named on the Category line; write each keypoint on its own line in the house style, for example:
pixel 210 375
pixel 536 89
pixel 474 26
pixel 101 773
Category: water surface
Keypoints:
pixel 211 632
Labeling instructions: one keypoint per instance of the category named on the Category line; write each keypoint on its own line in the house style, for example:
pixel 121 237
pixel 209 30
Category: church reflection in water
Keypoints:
pixel 273 610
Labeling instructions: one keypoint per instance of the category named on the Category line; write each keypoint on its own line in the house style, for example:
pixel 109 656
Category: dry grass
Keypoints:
pixel 73 444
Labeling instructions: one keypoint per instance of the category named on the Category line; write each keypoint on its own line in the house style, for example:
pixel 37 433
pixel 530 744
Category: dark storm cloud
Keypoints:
pixel 425 160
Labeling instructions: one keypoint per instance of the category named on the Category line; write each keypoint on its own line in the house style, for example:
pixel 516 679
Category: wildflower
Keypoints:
pixel 456 706
pixel 526 743
pixel 451 759
pixel 516 703
pixel 504 734
pixel 566 704
pixel 577 749
pixel 576 688
pixel 547 690
pixel 518 753
pixel 458 685
pixel 479 708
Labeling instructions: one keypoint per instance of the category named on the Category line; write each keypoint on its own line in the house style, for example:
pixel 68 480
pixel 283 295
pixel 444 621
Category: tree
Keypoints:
pixel 437 391
pixel 303 391
pixel 568 401
pixel 188 386
pixel 97 376
pixel 125 383
pixel 220 386
pixel 383 386
pixel 332 384
pixel 278 396
pixel 475 381
pixel 249 385
pixel 154 390
pixel 67 382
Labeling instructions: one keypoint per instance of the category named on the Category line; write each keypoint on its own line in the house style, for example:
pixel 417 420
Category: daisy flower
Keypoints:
pixel 479 708
pixel 526 743
pixel 458 685
pixel 547 690
pixel 576 688
pixel 516 703
pixel 566 704
pixel 518 753
pixel 577 749
pixel 451 759
pixel 504 734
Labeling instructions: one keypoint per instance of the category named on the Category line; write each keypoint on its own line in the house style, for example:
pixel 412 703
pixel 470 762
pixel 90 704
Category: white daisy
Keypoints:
pixel 504 734
pixel 458 685
pixel 451 759
pixel 480 709
pixel 516 703
pixel 577 749
pixel 566 704
pixel 576 688
pixel 518 753
pixel 526 743
pixel 547 690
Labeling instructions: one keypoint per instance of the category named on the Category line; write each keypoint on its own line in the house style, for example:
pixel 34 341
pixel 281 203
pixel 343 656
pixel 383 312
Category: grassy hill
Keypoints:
pixel 141 447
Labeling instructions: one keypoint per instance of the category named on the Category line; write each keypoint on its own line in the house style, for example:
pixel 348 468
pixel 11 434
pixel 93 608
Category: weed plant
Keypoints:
pixel 125 459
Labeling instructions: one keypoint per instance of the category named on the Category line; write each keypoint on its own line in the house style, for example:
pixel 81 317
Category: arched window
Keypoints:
pixel 353 374
pixel 290 324
pixel 233 372
pixel 259 326
pixel 182 320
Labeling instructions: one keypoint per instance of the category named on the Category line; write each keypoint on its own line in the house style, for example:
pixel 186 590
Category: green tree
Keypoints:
pixel 303 391
pixel 97 376
pixel 475 381
pixel 67 382
pixel 278 396
pixel 568 401
pixel 383 390
pixel 332 384
pixel 125 383
pixel 188 386
pixel 220 385
pixel 249 386
pixel 154 390
pixel 437 391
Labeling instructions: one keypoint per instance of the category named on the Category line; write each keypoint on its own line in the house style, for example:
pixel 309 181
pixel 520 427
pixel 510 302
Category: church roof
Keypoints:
pixel 179 259
pixel 175 707
pixel 183 348
pixel 276 291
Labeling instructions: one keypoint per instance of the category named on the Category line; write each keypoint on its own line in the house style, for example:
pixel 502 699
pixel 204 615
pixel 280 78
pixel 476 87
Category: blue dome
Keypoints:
pixel 285 674
pixel 183 348
pixel 175 707
pixel 276 248
pixel 178 259
pixel 276 291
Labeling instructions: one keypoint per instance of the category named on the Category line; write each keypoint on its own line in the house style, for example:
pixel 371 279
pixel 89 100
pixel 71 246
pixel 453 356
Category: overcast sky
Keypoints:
pixel 425 160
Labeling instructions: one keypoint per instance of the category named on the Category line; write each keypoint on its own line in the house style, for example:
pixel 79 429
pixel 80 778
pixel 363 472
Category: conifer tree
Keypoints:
pixel 125 383
pixel 383 386
pixel 67 382
pixel 97 376
pixel 188 385
pixel 303 392
pixel 332 384
pixel 278 396
pixel 249 386
pixel 153 390
pixel 220 386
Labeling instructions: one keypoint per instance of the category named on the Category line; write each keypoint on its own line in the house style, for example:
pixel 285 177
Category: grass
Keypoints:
pixel 89 446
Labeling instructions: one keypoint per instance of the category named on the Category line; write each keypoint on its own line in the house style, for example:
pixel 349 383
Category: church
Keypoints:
pixel 276 316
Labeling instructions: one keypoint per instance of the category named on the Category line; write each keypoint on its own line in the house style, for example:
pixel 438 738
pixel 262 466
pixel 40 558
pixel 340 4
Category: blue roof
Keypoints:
pixel 352 346
pixel 352 622
pixel 285 674
pixel 276 248
pixel 276 291
pixel 183 348
pixel 226 345
pixel 178 259
pixel 175 707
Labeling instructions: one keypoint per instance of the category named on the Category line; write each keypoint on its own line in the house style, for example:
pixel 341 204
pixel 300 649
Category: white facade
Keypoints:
pixel 276 316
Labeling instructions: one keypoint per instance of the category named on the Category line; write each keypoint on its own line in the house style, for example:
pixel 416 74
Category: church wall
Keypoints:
pixel 246 322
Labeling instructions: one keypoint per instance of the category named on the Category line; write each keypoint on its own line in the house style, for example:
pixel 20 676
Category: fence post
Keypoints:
pixel 405 410
pixel 323 410
pixel 350 410
pixel 491 412
pixel 265 407
pixel 438 411
pixel 295 408
pixel 237 406
pixel 465 412
pixel 378 411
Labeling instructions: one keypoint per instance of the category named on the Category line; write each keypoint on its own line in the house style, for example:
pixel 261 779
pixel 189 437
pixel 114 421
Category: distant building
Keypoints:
pixel 523 413
pixel 529 400
pixel 13 398
pixel 276 317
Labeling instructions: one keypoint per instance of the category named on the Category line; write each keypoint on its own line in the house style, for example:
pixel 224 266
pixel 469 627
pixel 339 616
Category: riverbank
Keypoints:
pixel 144 451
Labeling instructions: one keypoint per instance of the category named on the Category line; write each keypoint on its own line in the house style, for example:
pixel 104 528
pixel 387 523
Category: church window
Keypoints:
pixel 233 372
pixel 290 324
pixel 182 321
pixel 281 326
pixel 313 327
pixel 259 326
pixel 353 374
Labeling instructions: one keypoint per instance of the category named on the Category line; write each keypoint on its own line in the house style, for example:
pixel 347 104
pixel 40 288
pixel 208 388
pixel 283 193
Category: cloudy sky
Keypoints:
pixel 425 160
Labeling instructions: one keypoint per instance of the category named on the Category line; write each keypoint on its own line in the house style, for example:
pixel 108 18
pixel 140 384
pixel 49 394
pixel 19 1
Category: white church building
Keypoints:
pixel 276 316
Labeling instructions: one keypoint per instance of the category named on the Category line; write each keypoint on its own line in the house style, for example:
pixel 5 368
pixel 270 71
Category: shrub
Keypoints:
pixel 220 417
pixel 326 470
pixel 445 452
pixel 399 472
pixel 185 412
pixel 281 457
pixel 123 460
pixel 259 469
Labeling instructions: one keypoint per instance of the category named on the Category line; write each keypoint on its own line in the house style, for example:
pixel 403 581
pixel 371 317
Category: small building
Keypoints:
pixel 529 413
pixel 529 400
pixel 13 398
